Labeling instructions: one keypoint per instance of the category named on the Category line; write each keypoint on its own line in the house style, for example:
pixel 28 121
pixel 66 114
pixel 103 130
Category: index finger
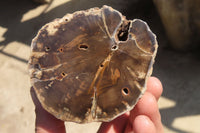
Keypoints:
pixel 154 86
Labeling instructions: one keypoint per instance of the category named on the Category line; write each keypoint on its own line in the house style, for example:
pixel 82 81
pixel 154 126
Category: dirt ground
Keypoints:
pixel 19 23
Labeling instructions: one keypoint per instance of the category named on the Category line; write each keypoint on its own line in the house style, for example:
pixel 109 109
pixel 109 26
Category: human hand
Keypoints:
pixel 144 118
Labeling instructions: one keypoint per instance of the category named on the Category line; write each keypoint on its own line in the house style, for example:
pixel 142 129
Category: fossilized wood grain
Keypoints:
pixel 91 65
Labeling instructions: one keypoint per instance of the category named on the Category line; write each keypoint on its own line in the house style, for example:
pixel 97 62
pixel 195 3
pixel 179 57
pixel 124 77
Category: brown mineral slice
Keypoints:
pixel 91 65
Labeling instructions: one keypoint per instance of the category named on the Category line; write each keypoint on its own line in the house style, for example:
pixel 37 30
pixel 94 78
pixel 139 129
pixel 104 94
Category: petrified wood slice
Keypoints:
pixel 91 65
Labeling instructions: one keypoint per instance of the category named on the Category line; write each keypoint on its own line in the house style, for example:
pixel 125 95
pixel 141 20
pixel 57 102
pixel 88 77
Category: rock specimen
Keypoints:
pixel 91 65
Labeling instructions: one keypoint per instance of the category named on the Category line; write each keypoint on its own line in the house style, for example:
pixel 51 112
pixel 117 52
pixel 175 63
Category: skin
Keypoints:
pixel 144 118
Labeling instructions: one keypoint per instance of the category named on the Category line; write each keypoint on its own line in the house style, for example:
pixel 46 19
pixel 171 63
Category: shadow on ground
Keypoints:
pixel 178 71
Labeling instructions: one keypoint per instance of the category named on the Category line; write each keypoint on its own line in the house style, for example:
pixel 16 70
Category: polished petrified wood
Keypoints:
pixel 91 65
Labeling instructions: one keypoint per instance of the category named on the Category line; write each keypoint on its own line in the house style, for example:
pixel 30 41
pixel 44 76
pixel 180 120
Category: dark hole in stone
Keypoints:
pixel 83 46
pixel 61 49
pixel 125 91
pixel 66 19
pixel 101 65
pixel 37 66
pixel 63 74
pixel 123 31
pixel 47 48
pixel 114 47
